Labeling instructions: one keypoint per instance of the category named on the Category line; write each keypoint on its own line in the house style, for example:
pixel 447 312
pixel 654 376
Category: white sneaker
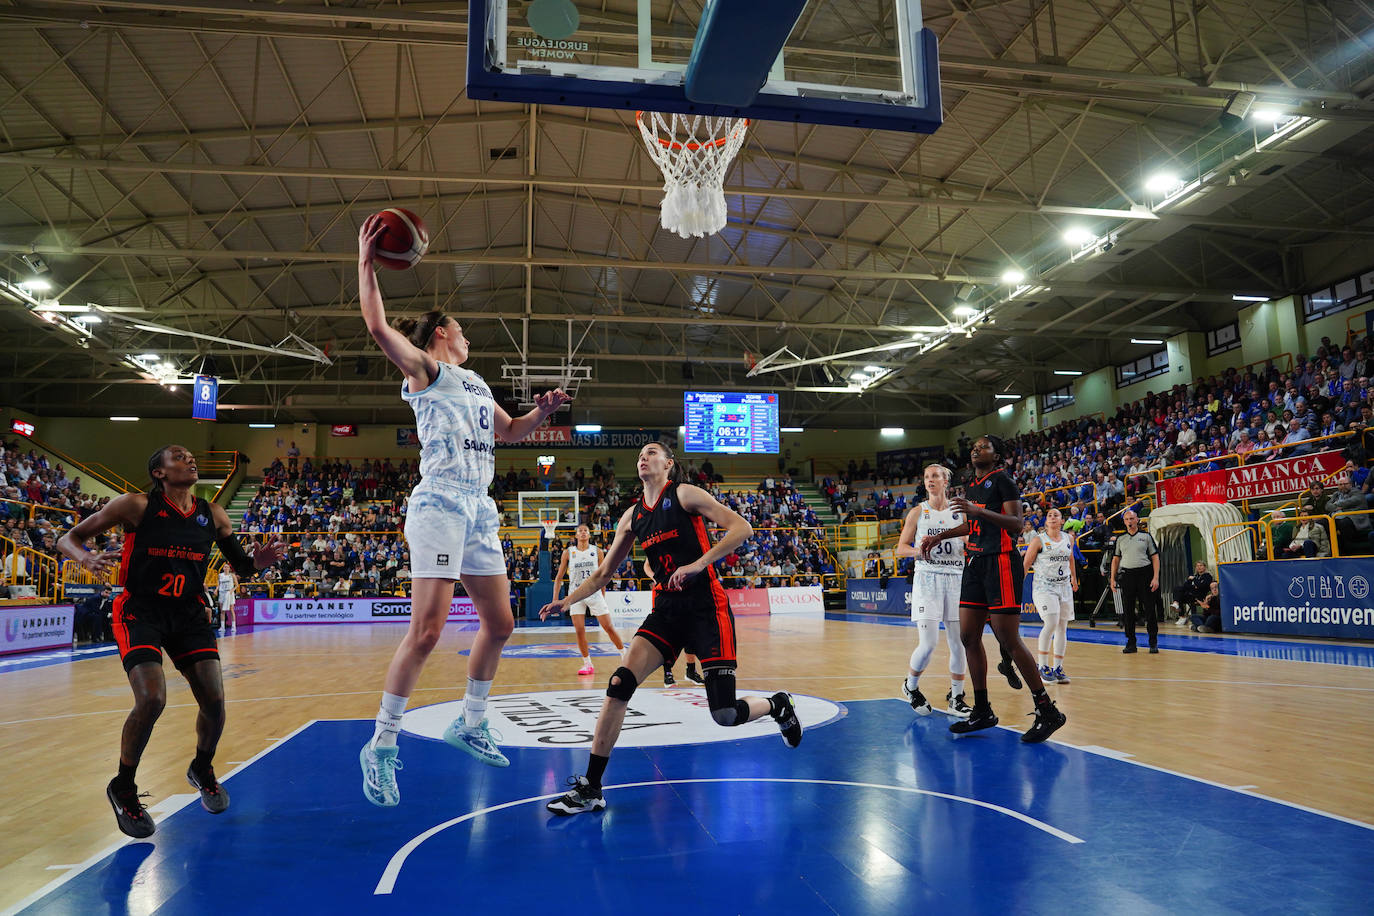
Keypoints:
pixel 476 741
pixel 379 777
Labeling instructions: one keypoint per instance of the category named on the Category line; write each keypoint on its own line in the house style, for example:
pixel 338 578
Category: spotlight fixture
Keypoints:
pixel 1012 276
pixel 34 262
pixel 1162 182
pixel 1145 340
pixel 1078 236
pixel 965 311
pixel 1237 107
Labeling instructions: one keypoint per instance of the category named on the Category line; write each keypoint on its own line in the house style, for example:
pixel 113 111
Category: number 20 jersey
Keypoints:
pixel 948 556
pixel 166 556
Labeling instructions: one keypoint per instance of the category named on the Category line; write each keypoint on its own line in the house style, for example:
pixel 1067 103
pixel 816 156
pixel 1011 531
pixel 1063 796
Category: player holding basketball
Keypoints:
pixel 1050 556
pixel 935 592
pixel 991 588
pixel 690 611
pixel 579 561
pixel 451 522
pixel 169 533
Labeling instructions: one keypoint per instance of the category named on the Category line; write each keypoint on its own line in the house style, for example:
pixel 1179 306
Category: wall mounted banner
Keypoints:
pixel 1252 481
pixel 567 437
pixel 204 398
pixel 1330 597
pixel 868 596
pixel 26 628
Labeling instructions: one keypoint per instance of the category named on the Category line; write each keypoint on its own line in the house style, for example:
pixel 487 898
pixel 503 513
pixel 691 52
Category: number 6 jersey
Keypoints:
pixel 948 555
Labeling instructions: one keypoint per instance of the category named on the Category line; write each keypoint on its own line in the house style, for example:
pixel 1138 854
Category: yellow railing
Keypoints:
pixel 32 509
pixel 1042 495
pixel 26 566
pixel 1254 529
pixel 96 470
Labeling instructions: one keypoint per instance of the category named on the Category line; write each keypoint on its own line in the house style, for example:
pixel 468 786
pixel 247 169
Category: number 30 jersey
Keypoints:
pixel 454 417
pixel 948 555
pixel 166 556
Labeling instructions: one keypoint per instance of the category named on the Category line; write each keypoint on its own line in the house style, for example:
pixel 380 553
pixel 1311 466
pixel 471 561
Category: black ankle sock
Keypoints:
pixel 201 762
pixel 596 768
pixel 124 782
pixel 1041 697
pixel 691 668
pixel 980 700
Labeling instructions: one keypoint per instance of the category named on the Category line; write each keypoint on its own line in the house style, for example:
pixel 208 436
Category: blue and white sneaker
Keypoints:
pixel 1059 674
pixel 1047 675
pixel 476 741
pixel 379 774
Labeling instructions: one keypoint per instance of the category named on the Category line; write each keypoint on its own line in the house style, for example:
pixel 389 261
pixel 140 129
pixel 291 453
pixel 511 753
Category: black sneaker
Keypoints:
pixel 693 676
pixel 1048 720
pixel 956 706
pixel 130 813
pixel 1154 650
pixel 581 797
pixel 1008 671
pixel 977 720
pixel 1129 650
pixel 668 679
pixel 213 796
pixel 917 699
pixel 786 717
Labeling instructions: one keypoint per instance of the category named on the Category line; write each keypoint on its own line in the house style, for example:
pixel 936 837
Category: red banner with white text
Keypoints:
pixel 1252 481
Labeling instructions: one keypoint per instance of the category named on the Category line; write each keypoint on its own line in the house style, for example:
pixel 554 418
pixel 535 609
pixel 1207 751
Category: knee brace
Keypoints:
pixel 720 697
pixel 626 688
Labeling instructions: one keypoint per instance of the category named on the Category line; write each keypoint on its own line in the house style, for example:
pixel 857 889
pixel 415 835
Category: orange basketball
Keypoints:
pixel 405 240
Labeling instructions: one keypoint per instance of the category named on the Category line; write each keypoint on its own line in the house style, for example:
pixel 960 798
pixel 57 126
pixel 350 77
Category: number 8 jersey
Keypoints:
pixel 947 556
pixel 453 419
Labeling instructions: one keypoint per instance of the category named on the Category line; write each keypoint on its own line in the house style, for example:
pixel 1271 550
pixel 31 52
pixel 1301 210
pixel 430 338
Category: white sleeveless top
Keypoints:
pixel 581 564
pixel 226 580
pixel 454 417
pixel 947 556
pixel 1054 560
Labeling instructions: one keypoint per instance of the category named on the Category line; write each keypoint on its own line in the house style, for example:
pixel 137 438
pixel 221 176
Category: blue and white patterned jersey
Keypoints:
pixel 454 417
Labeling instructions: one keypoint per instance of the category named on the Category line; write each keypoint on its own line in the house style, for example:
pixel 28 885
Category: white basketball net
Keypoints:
pixel 693 152
pixel 550 527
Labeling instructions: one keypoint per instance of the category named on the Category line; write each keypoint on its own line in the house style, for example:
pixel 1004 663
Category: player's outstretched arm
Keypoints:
pixel 417 365
pixel 513 430
pixel 562 571
pixel 126 509
pixel 737 531
pixel 619 550
pixel 244 566
pixel 1032 551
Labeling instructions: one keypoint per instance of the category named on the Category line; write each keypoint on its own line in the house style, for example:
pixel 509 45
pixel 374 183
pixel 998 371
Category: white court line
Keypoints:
pixel 61 867
pixel 393 867
pixel 1105 751
pixel 123 841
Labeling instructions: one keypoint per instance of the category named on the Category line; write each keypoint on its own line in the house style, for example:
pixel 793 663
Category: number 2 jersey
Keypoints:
pixel 165 557
pixel 671 537
pixel 947 557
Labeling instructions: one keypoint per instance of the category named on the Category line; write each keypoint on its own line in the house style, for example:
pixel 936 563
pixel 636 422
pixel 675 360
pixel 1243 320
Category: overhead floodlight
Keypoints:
pixel 1078 236
pixel 588 428
pixel 873 368
pixel 965 311
pixel 1004 410
pixel 792 429
pixel 1012 276
pixel 150 357
pixel 1007 397
pixel 1270 115
pixel 1237 107
pixel 859 374
pixel 1145 340
pixel 1067 372
pixel 891 431
pixel 87 319
pixel 1240 298
pixel 262 426
pixel 36 285
pixel 124 419
pixel 1162 182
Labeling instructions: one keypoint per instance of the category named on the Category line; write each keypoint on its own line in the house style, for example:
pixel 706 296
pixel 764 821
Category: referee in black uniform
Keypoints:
pixel 1135 575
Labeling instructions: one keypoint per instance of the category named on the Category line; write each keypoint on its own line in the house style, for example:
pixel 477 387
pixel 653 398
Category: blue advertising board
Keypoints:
pixel 204 397
pixel 870 597
pixel 1329 597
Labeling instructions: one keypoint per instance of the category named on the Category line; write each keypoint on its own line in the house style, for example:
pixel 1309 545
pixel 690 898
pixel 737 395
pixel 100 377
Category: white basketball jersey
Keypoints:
pixel 226 580
pixel 581 564
pixel 948 555
pixel 1052 564
pixel 454 418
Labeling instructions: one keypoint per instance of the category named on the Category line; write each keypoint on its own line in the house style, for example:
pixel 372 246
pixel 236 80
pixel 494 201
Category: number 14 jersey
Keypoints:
pixel 948 555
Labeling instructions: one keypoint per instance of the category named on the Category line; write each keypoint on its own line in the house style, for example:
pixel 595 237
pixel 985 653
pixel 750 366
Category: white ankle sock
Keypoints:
pixel 956 688
pixel 475 702
pixel 911 681
pixel 389 720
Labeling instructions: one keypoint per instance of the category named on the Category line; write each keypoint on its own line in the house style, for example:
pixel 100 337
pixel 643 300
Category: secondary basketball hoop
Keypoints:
pixel 693 152
pixel 548 520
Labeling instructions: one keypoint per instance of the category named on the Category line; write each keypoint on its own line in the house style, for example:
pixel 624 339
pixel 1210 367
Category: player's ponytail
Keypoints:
pixel 155 462
pixel 420 331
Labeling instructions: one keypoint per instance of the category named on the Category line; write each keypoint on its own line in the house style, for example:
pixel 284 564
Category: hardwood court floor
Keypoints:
pixel 1297 731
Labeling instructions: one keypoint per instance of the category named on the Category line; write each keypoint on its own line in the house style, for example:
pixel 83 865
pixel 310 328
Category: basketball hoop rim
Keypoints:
pixel 693 147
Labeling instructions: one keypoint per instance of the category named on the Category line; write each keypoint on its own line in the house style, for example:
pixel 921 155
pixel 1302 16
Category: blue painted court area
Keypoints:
pixel 877 813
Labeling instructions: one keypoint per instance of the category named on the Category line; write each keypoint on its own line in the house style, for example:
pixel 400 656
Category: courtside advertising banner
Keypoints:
pixel 628 609
pixel 797 601
pixel 1252 481
pixel 745 602
pixel 871 597
pixel 24 629
pixel 1329 597
pixel 346 610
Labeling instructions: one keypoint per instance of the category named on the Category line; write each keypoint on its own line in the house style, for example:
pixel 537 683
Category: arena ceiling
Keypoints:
pixel 203 167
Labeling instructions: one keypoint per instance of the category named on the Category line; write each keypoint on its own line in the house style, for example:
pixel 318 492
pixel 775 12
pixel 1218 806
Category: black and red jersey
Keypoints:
pixel 166 556
pixel 670 536
pixel 990 491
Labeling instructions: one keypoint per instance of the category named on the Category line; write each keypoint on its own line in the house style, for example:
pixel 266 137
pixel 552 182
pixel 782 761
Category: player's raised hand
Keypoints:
pixel 265 555
pixel 553 607
pixel 101 562
pixel 371 231
pixel 550 401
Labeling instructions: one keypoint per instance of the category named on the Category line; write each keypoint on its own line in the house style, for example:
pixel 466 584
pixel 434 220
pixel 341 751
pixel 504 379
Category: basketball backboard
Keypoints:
pixel 531 505
pixel 854 63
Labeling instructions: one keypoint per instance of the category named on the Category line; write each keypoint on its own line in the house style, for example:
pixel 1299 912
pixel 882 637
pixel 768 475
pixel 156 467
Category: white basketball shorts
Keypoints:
pixel 452 530
pixel 596 604
pixel 1052 599
pixel 935 596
